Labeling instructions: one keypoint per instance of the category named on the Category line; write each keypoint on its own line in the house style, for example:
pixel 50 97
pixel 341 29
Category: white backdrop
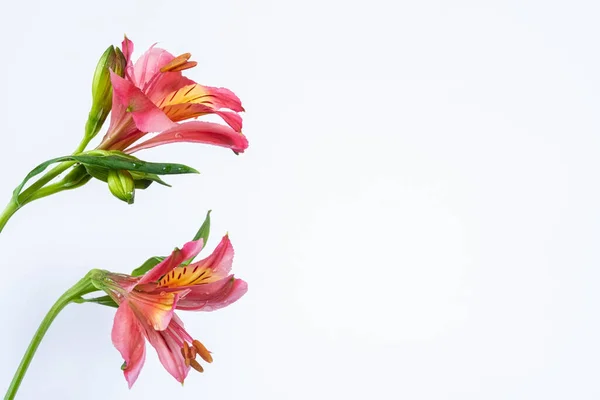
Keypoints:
pixel 417 215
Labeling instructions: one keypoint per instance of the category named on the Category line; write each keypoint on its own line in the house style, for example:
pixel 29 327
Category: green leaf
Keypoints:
pixel 150 263
pixel 143 183
pixel 204 230
pixel 96 160
pixel 142 179
pixel 37 170
pixel 103 301
pixel 143 176
pixel 130 163
pixel 147 266
pixel 202 233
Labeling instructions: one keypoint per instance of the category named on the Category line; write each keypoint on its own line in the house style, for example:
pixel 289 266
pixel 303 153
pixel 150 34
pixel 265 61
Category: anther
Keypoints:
pixel 196 365
pixel 202 351
pixel 186 350
pixel 179 63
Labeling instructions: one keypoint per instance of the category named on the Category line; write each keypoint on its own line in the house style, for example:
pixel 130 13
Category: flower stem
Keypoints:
pixel 53 173
pixel 31 194
pixel 8 212
pixel 82 287
pixel 25 196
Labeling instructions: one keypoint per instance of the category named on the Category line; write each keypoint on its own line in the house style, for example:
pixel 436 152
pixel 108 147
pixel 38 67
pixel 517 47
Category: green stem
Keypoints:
pixel 25 196
pixel 64 184
pixel 8 212
pixel 31 193
pixel 53 173
pixel 82 287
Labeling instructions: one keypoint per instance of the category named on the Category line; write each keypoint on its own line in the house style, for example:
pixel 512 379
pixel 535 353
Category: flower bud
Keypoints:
pixel 121 185
pixel 76 178
pixel 112 59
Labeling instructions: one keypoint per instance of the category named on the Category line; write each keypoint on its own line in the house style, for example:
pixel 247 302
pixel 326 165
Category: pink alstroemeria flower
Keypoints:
pixel 154 96
pixel 147 307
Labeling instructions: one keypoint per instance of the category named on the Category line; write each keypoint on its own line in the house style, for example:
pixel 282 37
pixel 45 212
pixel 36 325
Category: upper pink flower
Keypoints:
pixel 147 307
pixel 154 96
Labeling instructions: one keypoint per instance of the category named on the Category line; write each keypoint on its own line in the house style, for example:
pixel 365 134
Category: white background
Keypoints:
pixel 417 215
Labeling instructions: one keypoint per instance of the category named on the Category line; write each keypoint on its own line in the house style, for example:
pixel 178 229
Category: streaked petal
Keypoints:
pixel 221 259
pixel 225 98
pixel 215 98
pixel 197 132
pixel 169 352
pixel 181 112
pixel 213 296
pixel 234 120
pixel 147 117
pixel 157 309
pixel 189 250
pixel 167 82
pixel 128 339
pixel 149 64
pixel 211 269
pixel 127 49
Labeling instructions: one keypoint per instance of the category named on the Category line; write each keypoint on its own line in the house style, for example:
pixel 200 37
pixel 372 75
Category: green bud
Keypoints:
pixel 112 59
pixel 121 185
pixel 76 178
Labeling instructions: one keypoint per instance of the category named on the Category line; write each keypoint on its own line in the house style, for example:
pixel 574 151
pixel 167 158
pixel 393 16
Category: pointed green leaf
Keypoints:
pixel 142 179
pixel 147 266
pixel 143 183
pixel 204 230
pixel 97 162
pixel 202 233
pixel 130 163
pixel 143 176
pixel 37 170
pixel 103 301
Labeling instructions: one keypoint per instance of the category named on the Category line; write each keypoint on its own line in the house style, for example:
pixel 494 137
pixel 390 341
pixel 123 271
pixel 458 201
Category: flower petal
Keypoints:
pixel 215 98
pixel 157 309
pixel 128 339
pixel 169 351
pixel 197 132
pixel 165 83
pixel 127 49
pixel 221 259
pixel 147 117
pixel 212 296
pixel 149 64
pixel 189 250
pixel 211 269
pixel 234 120
pixel 181 112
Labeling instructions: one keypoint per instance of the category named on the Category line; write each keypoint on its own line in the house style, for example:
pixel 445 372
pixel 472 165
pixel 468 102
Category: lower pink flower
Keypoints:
pixel 147 307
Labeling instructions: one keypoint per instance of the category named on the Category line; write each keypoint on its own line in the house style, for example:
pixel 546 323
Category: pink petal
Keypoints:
pixel 221 259
pixel 215 98
pixel 212 296
pixel 128 340
pixel 234 120
pixel 224 98
pixel 149 64
pixel 169 351
pixel 166 83
pixel 125 282
pixel 189 250
pixel 197 132
pixel 120 127
pixel 181 112
pixel 127 48
pixel 147 117
pixel 157 309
